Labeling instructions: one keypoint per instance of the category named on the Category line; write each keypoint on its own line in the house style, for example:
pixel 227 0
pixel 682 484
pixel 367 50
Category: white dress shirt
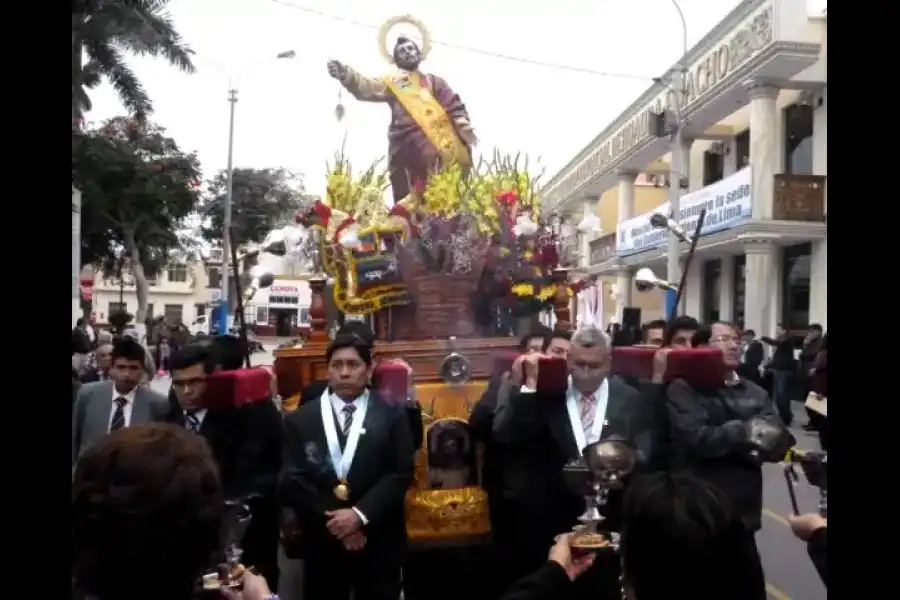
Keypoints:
pixel 338 406
pixel 572 392
pixel 126 409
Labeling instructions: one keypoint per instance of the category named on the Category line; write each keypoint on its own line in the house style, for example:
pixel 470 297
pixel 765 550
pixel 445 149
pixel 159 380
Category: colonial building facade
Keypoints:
pixel 755 156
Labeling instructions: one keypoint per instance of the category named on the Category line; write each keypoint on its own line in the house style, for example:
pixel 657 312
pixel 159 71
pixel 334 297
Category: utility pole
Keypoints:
pixel 678 168
pixel 229 190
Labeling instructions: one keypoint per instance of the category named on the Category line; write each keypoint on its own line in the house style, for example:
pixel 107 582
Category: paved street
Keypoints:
pixel 789 571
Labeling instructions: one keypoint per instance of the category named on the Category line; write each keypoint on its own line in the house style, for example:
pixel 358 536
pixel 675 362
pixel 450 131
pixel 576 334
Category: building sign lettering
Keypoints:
pixel 283 289
pixel 751 37
pixel 728 56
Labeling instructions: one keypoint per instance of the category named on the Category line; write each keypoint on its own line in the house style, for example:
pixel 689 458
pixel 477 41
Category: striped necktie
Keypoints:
pixel 118 418
pixel 588 407
pixel 192 422
pixel 347 411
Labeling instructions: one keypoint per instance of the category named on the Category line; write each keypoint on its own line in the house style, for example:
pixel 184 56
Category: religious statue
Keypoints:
pixel 429 127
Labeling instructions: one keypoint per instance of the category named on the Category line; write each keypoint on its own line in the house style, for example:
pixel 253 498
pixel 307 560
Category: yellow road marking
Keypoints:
pixel 775 593
pixel 775 517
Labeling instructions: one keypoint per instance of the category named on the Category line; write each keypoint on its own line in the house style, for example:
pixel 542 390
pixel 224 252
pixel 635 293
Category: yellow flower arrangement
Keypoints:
pixel 347 193
pixel 481 191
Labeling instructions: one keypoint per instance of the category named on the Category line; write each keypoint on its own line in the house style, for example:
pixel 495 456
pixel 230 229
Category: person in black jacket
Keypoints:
pixel 547 429
pixel 262 424
pixel 496 464
pixel 711 437
pixel 752 355
pixel 782 365
pixel 348 463
pixel 812 528
pixel 682 538
pixel 412 409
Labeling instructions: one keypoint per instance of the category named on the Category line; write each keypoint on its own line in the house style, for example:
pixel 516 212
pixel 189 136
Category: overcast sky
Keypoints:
pixel 285 114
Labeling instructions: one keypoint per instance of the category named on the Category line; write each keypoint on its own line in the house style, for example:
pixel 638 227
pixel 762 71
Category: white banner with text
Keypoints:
pixel 728 202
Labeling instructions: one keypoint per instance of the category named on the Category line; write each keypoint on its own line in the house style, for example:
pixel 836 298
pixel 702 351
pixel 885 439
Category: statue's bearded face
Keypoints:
pixel 407 55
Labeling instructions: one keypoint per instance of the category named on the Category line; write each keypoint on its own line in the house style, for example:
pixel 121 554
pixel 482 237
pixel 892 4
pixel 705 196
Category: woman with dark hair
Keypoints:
pixel 146 515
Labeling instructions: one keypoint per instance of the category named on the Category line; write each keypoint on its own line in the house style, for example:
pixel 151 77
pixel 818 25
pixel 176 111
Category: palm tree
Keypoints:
pixel 104 32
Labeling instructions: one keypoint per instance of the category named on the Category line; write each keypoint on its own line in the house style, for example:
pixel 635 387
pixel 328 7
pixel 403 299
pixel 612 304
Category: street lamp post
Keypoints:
pixel 678 164
pixel 229 191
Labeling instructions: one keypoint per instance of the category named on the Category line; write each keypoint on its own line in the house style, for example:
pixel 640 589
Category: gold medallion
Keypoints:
pixel 342 492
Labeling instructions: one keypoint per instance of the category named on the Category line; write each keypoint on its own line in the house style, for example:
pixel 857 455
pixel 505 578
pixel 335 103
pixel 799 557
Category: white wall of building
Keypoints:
pixel 190 294
pixel 292 289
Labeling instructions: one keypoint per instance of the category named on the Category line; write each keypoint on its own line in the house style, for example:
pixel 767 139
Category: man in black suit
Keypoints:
pixel 262 425
pixel 348 461
pixel 504 530
pixel 752 356
pixel 367 336
pixel 547 430
pixel 225 429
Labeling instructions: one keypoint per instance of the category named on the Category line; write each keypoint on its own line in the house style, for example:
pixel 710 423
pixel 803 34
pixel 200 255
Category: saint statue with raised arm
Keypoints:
pixel 430 126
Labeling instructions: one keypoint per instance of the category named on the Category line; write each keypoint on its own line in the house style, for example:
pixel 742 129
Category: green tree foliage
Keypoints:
pixel 262 199
pixel 104 32
pixel 137 190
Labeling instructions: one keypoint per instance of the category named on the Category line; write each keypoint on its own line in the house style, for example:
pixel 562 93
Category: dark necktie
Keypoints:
pixel 347 411
pixel 192 422
pixel 118 419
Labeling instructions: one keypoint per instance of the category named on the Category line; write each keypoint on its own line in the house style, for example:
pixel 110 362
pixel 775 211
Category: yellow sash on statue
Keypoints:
pixel 430 116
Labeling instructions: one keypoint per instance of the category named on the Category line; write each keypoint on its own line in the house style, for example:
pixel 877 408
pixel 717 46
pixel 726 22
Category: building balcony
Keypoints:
pixel 798 215
pixel 799 198
pixel 603 248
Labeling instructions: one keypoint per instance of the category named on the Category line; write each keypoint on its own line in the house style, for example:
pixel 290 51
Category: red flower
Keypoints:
pixel 507 198
pixel 321 210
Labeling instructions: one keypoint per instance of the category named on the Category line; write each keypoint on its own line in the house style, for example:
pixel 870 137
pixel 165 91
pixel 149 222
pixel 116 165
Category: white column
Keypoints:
pixel 693 293
pixel 760 292
pixel 625 284
pixel 818 284
pixel 625 211
pixel 726 288
pixel 680 169
pixel 765 137
pixel 626 195
pixel 590 205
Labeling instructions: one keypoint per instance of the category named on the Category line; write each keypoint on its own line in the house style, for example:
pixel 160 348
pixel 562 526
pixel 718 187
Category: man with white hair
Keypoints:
pixel 551 427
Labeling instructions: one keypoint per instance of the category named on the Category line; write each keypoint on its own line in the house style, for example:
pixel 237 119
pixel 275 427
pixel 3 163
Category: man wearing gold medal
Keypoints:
pixel 348 461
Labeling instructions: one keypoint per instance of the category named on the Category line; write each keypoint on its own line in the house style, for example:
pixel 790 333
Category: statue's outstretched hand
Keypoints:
pixel 337 69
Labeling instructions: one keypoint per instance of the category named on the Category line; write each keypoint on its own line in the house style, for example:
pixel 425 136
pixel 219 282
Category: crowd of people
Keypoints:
pixel 151 474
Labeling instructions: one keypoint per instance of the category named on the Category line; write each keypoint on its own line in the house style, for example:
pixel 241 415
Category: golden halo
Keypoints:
pixel 409 20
